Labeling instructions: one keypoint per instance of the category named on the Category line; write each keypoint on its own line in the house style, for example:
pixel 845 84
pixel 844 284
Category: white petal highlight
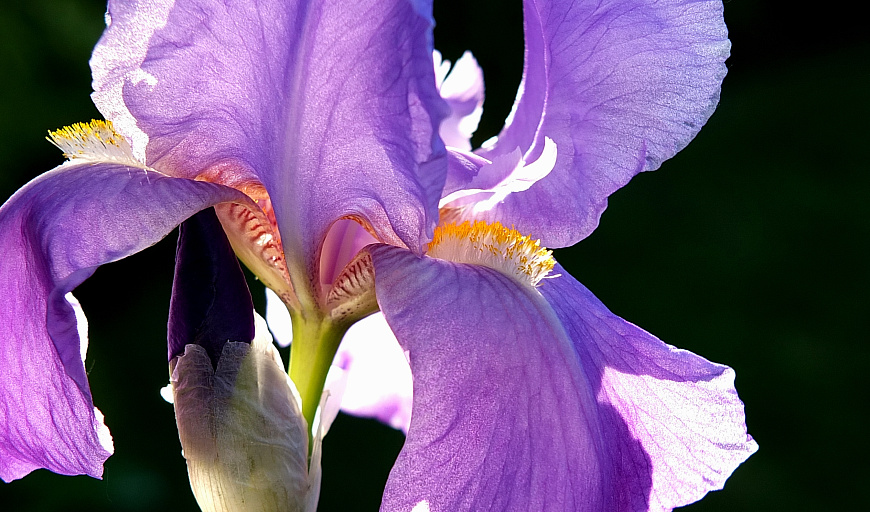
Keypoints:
pixel 278 318
pixel 379 383
pixel 81 323
pixel 462 88
pixel 117 60
pixel 510 173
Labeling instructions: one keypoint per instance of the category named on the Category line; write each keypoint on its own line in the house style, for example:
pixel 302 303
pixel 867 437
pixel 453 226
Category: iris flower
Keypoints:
pixel 317 131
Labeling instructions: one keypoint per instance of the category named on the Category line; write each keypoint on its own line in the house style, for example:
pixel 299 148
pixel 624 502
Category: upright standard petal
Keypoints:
pixel 54 233
pixel 330 104
pixel 505 417
pixel 681 408
pixel 619 86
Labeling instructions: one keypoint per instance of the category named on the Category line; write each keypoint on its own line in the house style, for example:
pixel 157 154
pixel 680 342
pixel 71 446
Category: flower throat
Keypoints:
pixel 494 246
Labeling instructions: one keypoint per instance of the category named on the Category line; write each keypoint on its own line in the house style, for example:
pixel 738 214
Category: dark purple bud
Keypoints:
pixel 211 303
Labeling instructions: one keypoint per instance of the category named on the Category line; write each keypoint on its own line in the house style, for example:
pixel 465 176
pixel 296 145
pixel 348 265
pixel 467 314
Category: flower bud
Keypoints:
pixel 241 429
pixel 239 416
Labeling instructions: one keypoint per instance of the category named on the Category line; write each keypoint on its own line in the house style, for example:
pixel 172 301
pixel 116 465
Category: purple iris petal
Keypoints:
pixel 539 401
pixel 463 167
pixel 504 416
pixel 682 409
pixel 54 233
pixel 211 303
pixel 330 104
pixel 620 86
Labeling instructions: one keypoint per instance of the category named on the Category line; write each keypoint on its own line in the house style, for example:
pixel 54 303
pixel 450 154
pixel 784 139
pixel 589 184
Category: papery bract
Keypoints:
pixel 239 417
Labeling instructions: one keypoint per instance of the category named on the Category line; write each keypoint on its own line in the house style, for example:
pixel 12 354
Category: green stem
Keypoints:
pixel 315 341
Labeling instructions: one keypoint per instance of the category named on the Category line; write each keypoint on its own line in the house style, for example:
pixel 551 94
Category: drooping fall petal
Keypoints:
pixel 504 416
pixel 54 233
pixel 619 86
pixel 682 409
pixel 512 384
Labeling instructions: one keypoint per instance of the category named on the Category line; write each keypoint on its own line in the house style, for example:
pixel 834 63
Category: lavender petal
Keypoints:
pixel 55 232
pixel 620 86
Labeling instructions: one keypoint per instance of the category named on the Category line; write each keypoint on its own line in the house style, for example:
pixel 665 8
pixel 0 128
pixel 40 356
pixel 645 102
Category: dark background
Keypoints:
pixel 747 248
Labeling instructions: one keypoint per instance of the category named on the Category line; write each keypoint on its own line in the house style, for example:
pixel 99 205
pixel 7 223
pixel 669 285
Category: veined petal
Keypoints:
pixel 330 104
pixel 507 174
pixel 54 233
pixel 681 408
pixel 619 86
pixel 541 399
pixel 463 168
pixel 505 417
